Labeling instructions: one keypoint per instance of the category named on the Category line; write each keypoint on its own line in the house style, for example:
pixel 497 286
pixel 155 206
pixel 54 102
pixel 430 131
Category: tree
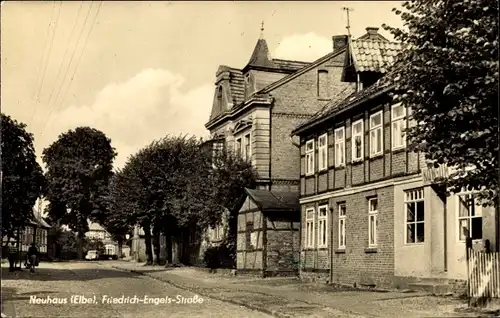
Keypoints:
pixel 447 73
pixel 22 177
pixel 170 186
pixel 79 167
pixel 91 244
pixel 118 220
pixel 230 176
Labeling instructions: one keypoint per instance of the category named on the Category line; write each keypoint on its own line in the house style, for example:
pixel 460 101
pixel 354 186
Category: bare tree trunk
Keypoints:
pixel 156 245
pixel 120 248
pixel 147 239
pixel 169 247
pixel 79 244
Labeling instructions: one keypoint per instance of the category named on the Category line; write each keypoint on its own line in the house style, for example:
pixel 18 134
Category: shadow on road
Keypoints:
pixel 77 274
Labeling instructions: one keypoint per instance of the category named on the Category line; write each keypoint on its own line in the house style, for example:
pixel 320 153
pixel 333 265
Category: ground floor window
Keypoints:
pixel 470 220
pixel 310 228
pixel 415 225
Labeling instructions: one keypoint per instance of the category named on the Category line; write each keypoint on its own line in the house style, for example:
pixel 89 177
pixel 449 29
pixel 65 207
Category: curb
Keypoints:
pixel 234 302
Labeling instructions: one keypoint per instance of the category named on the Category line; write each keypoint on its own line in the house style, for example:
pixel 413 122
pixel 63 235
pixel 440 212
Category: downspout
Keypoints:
pixel 299 265
pixel 270 139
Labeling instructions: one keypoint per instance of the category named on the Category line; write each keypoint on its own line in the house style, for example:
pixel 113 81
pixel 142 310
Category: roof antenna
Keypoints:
pixel 348 27
pixel 262 30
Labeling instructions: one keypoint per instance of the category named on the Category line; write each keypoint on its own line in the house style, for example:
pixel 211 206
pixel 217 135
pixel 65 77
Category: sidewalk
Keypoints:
pixel 288 297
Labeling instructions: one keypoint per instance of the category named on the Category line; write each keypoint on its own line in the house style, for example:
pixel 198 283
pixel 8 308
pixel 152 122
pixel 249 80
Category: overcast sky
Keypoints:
pixel 141 70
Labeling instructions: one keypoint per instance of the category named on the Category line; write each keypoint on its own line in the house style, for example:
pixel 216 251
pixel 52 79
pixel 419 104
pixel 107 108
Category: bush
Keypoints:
pixel 218 257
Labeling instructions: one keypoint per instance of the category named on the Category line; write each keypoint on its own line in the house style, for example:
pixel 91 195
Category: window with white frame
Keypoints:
pixel 339 146
pixel 322 226
pixel 372 222
pixel 357 140
pixel 248 153
pixel 415 212
pixel 310 228
pixel 310 157
pixel 470 220
pixel 376 138
pixel 398 114
pixel 322 152
pixel 342 218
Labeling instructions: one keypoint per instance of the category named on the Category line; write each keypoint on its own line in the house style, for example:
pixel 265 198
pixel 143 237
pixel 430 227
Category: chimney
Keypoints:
pixel 372 30
pixel 339 42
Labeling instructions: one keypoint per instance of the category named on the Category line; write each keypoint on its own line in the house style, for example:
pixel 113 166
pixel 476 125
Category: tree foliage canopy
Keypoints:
pixel 22 177
pixel 79 167
pixel 173 181
pixel 447 73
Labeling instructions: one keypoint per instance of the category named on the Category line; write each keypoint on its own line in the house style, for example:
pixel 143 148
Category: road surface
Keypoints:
pixel 85 289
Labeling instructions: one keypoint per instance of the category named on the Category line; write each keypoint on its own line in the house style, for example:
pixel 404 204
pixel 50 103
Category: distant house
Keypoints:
pixel 97 232
pixel 35 231
pixel 254 111
pixel 371 213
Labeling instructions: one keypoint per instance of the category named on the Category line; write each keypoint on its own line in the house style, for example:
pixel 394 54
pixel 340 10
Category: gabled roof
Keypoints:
pixel 332 108
pixel 274 201
pixel 373 55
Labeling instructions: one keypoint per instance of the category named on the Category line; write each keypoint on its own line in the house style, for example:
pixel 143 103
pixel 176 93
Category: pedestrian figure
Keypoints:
pixel 33 256
pixel 12 254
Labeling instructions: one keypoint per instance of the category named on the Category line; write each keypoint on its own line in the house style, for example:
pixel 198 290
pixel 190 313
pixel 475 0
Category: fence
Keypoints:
pixel 483 275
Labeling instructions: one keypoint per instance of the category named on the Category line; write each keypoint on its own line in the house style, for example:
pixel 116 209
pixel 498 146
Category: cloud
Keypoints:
pixel 303 47
pixel 139 110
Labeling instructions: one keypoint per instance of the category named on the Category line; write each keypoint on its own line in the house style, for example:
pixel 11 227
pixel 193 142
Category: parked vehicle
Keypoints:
pixel 92 255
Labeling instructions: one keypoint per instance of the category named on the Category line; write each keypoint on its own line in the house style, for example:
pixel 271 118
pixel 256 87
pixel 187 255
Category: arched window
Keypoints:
pixel 219 98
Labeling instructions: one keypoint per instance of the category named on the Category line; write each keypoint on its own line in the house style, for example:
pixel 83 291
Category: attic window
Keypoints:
pixel 323 84
pixel 219 97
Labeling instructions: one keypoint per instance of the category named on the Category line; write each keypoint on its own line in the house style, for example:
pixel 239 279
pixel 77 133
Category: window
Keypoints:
pixel 250 236
pixel 398 113
pixel 372 222
pixel 322 226
pixel 376 137
pixel 322 152
pixel 357 140
pixel 342 217
pixel 470 218
pixel 310 157
pixel 248 154
pixel 414 202
pixel 217 149
pixel 219 98
pixel 310 228
pixel 238 147
pixel 323 84
pixel 339 147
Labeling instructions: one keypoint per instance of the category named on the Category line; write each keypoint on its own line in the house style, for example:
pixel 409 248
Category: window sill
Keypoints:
pixel 323 170
pixel 339 167
pixel 414 244
pixel 371 250
pixel 376 156
pixel 356 162
pixel 322 248
pixel 340 251
pixel 398 149
pixel 309 174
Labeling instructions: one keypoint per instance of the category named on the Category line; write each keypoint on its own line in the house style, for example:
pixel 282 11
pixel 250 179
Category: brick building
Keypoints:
pixel 255 109
pixel 370 214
